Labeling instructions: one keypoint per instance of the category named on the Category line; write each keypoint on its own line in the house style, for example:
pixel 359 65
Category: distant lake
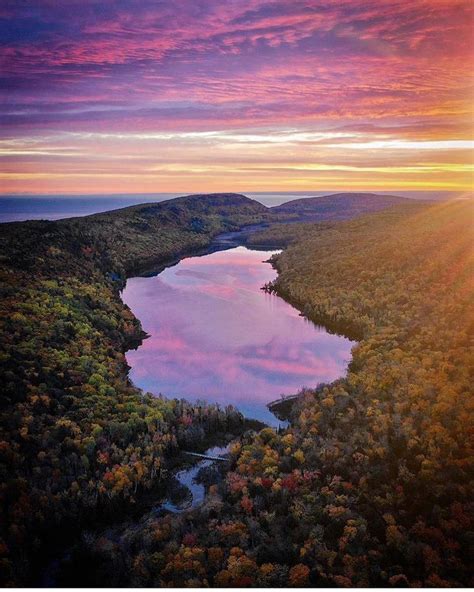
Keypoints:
pixel 14 208
pixel 215 335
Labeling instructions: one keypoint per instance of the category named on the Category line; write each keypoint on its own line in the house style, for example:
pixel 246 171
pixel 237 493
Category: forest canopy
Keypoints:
pixel 371 485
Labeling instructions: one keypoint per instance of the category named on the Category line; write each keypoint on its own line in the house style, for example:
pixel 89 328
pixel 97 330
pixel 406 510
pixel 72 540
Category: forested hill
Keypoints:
pixel 132 238
pixel 124 239
pixel 339 206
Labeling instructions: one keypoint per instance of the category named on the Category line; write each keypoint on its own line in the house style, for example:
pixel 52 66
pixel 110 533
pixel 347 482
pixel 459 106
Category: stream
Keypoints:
pixel 188 478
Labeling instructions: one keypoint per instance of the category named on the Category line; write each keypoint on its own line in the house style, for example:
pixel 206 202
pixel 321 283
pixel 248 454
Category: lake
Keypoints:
pixel 215 335
pixel 14 208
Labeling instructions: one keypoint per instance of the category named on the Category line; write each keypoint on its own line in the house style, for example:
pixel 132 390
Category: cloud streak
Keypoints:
pixel 142 77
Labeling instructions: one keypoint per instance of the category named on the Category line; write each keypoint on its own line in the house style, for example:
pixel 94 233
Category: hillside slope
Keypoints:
pixel 339 206
pixel 129 237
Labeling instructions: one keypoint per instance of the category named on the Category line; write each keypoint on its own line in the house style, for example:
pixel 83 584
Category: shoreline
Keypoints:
pixel 282 408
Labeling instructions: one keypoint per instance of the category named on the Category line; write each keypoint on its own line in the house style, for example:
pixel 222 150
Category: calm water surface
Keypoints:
pixel 189 478
pixel 14 208
pixel 55 207
pixel 215 335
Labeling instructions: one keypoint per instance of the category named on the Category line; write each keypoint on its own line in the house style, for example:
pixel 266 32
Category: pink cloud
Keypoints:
pixel 140 66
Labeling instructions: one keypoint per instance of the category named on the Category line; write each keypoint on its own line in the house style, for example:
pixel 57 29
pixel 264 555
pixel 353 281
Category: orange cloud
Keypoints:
pixel 83 85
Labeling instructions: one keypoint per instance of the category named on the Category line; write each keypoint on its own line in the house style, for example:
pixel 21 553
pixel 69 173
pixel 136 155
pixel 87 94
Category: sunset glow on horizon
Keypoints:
pixel 137 96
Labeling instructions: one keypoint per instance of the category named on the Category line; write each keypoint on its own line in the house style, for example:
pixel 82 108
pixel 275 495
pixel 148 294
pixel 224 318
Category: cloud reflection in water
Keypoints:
pixel 216 335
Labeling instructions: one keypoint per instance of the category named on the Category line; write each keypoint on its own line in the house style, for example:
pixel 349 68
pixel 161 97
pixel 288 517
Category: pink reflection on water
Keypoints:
pixel 215 335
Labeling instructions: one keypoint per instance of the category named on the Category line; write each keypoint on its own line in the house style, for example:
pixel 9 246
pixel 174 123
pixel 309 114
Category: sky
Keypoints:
pixel 244 95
